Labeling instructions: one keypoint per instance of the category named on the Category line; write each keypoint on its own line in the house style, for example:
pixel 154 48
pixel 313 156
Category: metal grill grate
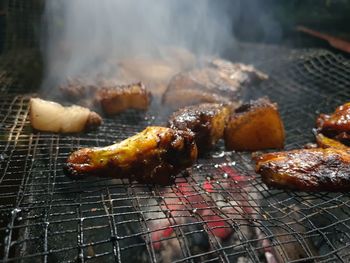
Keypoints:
pixel 220 211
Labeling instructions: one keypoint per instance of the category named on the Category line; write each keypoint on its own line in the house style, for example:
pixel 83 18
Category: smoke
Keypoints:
pixel 82 35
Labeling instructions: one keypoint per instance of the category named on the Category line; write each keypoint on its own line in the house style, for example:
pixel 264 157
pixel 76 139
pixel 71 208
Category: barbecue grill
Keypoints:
pixel 46 216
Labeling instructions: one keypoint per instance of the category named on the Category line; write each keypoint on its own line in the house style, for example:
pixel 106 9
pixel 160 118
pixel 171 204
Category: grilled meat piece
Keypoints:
pixel 110 97
pixel 325 142
pixel 220 81
pixel 336 125
pixel 306 169
pixel 53 117
pixel 76 89
pixel 154 155
pixel 255 126
pixel 207 121
pixel 118 99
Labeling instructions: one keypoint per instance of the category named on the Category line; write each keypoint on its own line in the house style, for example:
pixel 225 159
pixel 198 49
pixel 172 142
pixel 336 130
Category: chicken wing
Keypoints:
pixel 207 121
pixel 154 155
pixel 306 169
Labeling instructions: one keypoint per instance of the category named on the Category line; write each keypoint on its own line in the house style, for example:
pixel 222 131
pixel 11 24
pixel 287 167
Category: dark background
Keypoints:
pixel 268 21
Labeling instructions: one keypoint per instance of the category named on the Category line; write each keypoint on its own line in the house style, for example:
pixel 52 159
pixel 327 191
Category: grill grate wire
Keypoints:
pixel 47 217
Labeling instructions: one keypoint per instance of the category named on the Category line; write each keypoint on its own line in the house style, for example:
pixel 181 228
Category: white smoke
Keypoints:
pixel 82 35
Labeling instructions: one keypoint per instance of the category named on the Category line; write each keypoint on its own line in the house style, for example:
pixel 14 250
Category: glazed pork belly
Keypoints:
pixel 107 95
pixel 256 125
pixel 337 124
pixel 121 98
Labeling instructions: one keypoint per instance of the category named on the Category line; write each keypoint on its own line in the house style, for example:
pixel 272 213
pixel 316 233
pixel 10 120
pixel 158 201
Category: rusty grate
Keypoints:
pixel 219 212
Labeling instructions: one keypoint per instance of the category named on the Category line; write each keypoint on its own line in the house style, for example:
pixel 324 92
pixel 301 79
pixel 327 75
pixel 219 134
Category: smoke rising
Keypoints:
pixel 82 35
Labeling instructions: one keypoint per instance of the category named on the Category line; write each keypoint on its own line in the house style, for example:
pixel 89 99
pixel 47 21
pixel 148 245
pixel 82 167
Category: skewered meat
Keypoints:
pixel 220 81
pixel 255 126
pixel 53 117
pixel 119 99
pixel 207 121
pixel 110 97
pixel 306 169
pixel 154 155
pixel 336 125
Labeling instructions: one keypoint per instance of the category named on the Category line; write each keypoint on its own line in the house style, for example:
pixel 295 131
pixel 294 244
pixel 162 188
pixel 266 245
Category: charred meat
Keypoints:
pixel 255 126
pixel 207 122
pixel 219 81
pixel 154 155
pixel 337 124
pixel 306 169
pixel 53 117
pixel 118 99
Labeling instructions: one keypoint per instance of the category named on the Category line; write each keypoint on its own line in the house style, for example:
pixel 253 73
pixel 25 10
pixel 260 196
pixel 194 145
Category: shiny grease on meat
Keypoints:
pixel 107 95
pixel 306 169
pixel 325 142
pixel 154 155
pixel 219 81
pixel 206 121
pixel 118 99
pixel 256 125
pixel 337 124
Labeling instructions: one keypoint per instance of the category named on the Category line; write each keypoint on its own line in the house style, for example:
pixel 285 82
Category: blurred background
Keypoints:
pixel 270 22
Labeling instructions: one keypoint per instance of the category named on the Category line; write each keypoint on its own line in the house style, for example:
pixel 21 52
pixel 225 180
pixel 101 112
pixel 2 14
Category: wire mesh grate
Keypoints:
pixel 219 211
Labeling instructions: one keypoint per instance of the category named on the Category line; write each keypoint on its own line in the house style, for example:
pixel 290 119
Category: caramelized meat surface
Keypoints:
pixel 306 169
pixel 325 142
pixel 118 99
pixel 207 122
pixel 108 96
pixel 220 81
pixel 337 124
pixel 255 126
pixel 154 155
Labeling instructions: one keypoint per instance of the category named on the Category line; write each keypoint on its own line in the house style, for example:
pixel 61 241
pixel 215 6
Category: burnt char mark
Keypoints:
pixel 153 156
pixel 261 102
pixel 68 170
pixel 205 121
